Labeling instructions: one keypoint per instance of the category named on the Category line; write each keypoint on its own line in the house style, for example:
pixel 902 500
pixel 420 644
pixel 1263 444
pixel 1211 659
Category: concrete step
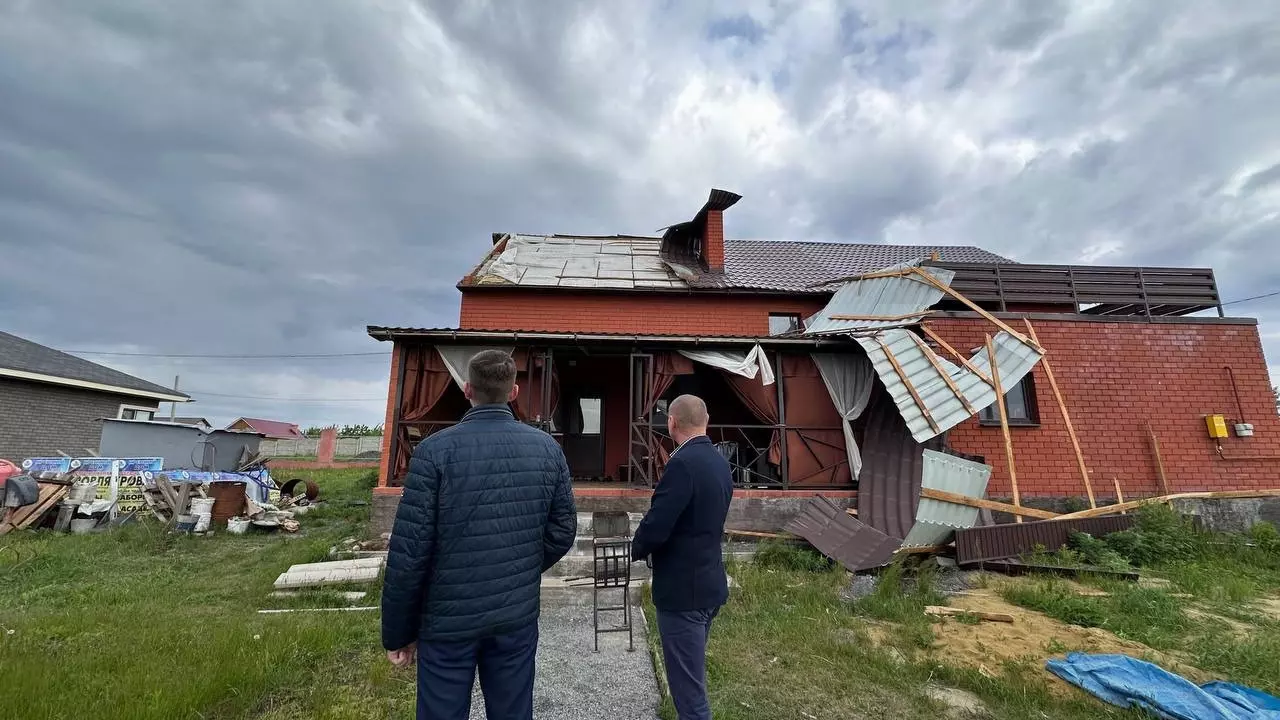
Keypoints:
pixel 585 525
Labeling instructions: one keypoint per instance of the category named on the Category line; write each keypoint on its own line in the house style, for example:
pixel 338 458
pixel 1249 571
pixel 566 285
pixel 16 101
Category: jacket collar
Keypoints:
pixel 699 440
pixel 488 411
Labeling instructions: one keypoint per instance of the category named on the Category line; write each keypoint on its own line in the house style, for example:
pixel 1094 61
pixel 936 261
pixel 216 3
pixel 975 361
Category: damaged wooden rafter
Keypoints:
pixel 1004 425
pixel 885 318
pixel 946 376
pixel 906 381
pixel 966 362
pixel 957 499
pixel 1132 504
pixel 1066 416
pixel 976 308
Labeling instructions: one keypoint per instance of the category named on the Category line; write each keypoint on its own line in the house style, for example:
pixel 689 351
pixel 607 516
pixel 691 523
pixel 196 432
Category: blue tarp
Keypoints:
pixel 1125 681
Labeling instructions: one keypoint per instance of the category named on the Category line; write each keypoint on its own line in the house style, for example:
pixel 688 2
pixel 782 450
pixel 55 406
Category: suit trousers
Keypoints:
pixel 447 672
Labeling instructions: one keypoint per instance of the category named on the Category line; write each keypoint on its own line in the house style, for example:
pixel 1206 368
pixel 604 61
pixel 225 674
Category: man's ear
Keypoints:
pixel 515 393
pixel 466 390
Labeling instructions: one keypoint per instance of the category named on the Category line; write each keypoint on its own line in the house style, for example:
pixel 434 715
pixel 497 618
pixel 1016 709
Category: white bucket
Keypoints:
pixel 238 526
pixel 201 506
pixel 203 521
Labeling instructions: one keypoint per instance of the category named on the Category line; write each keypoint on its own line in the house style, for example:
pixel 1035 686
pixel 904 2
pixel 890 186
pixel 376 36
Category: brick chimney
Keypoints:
pixel 713 241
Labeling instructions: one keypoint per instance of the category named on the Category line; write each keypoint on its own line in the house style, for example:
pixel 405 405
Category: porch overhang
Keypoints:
pixel 551 339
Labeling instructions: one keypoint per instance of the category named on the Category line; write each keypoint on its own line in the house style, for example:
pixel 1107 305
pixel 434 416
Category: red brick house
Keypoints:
pixel 605 330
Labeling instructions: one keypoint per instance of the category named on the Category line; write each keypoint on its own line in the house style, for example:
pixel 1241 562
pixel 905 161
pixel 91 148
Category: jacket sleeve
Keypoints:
pixel 562 522
pixel 671 497
pixel 412 545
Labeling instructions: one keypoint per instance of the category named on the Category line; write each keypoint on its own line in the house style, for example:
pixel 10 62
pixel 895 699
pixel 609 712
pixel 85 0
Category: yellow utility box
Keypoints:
pixel 1217 426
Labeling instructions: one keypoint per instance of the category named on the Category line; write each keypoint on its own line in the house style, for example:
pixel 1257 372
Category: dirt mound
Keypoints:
pixel 1033 637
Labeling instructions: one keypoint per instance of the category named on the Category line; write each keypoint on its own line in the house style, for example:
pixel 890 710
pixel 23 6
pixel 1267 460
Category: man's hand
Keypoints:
pixel 404 657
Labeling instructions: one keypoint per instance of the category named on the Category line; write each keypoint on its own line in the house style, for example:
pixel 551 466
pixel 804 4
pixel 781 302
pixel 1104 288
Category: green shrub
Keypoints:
pixel 1097 552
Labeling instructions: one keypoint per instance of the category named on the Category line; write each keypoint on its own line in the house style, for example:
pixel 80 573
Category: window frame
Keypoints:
pixel 796 320
pixel 1028 386
pixel 135 409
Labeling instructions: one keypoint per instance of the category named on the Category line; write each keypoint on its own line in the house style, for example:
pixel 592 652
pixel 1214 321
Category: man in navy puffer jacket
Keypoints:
pixel 487 507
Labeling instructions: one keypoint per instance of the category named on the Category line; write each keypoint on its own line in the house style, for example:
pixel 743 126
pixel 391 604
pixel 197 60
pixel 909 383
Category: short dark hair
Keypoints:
pixel 492 374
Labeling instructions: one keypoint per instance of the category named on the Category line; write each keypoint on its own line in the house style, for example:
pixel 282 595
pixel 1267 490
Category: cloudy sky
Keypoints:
pixel 270 176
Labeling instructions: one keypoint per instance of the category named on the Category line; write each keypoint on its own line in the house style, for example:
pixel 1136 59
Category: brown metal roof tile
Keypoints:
pixel 996 542
pixel 841 537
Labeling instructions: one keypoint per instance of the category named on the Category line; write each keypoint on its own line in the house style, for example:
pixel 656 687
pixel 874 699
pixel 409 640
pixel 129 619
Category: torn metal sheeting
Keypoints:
pixel 1013 566
pixel 937 520
pixel 841 537
pixel 901 300
pixel 611 262
pixel 910 372
pixel 996 542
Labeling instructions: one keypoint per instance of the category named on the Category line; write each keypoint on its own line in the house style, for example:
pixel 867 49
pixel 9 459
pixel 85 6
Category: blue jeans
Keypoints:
pixel 684 650
pixel 447 671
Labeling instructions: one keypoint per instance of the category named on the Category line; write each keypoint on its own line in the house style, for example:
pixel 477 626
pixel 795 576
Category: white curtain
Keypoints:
pixel 747 364
pixel 849 379
pixel 458 357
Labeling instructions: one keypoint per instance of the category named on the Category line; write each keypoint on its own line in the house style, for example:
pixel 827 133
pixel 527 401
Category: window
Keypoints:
pixel 135 412
pixel 589 414
pixel 781 324
pixel 1020 405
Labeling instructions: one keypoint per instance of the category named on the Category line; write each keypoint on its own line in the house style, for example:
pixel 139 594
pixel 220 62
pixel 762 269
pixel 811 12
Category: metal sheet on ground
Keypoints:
pixel 842 537
pixel 996 542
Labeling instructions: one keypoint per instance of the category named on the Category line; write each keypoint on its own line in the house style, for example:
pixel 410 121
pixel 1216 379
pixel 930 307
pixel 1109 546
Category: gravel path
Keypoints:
pixel 574 683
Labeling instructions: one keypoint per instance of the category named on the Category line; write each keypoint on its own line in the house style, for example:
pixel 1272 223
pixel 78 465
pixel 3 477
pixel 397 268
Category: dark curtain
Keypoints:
pixel 762 400
pixel 816 449
pixel 425 381
pixel 666 366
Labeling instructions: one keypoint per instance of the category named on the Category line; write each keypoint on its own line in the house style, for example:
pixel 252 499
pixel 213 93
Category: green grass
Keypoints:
pixel 1222 573
pixel 140 623
pixel 787 646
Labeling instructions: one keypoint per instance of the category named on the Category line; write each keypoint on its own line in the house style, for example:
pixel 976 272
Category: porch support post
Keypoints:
pixel 782 418
pixel 401 353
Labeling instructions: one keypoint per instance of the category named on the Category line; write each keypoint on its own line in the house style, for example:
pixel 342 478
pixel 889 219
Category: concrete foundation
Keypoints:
pixel 770 514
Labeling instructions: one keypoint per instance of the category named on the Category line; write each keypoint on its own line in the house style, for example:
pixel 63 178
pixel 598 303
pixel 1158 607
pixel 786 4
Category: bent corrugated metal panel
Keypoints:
pixel 937 520
pixel 1015 360
pixel 996 542
pixel 883 297
pixel 892 467
pixel 842 537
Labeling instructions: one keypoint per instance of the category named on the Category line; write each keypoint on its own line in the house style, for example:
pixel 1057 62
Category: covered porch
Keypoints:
pixel 604 399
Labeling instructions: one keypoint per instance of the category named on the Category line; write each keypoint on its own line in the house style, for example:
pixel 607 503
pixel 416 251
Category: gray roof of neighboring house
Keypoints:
pixel 28 357
pixel 620 262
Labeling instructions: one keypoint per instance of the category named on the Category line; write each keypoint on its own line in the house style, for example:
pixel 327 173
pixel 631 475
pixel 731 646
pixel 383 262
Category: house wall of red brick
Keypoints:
pixel 1118 376
pixel 640 313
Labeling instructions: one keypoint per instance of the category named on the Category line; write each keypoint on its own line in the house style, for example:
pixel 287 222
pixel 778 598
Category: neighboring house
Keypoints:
pixel 52 402
pixel 197 422
pixel 606 330
pixel 272 429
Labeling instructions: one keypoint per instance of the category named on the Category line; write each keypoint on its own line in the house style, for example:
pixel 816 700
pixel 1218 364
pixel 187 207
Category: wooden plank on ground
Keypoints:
pixel 944 496
pixel 941 611
pixel 50 495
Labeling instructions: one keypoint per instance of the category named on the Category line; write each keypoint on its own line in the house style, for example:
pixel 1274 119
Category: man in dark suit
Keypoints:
pixel 487 508
pixel 681 537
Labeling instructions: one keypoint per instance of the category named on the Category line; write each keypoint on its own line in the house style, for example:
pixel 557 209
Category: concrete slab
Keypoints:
pixel 316 578
pixel 374 562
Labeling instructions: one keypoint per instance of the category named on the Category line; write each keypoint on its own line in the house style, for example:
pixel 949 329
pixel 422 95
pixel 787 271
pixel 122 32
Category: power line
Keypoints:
pixel 196 393
pixel 292 356
pixel 1255 297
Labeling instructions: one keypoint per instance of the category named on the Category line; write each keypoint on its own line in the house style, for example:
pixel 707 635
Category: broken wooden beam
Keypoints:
pixel 1213 495
pixel 944 496
pixel 942 611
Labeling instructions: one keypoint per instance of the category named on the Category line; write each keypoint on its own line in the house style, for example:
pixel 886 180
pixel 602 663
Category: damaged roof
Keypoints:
pixel 621 262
